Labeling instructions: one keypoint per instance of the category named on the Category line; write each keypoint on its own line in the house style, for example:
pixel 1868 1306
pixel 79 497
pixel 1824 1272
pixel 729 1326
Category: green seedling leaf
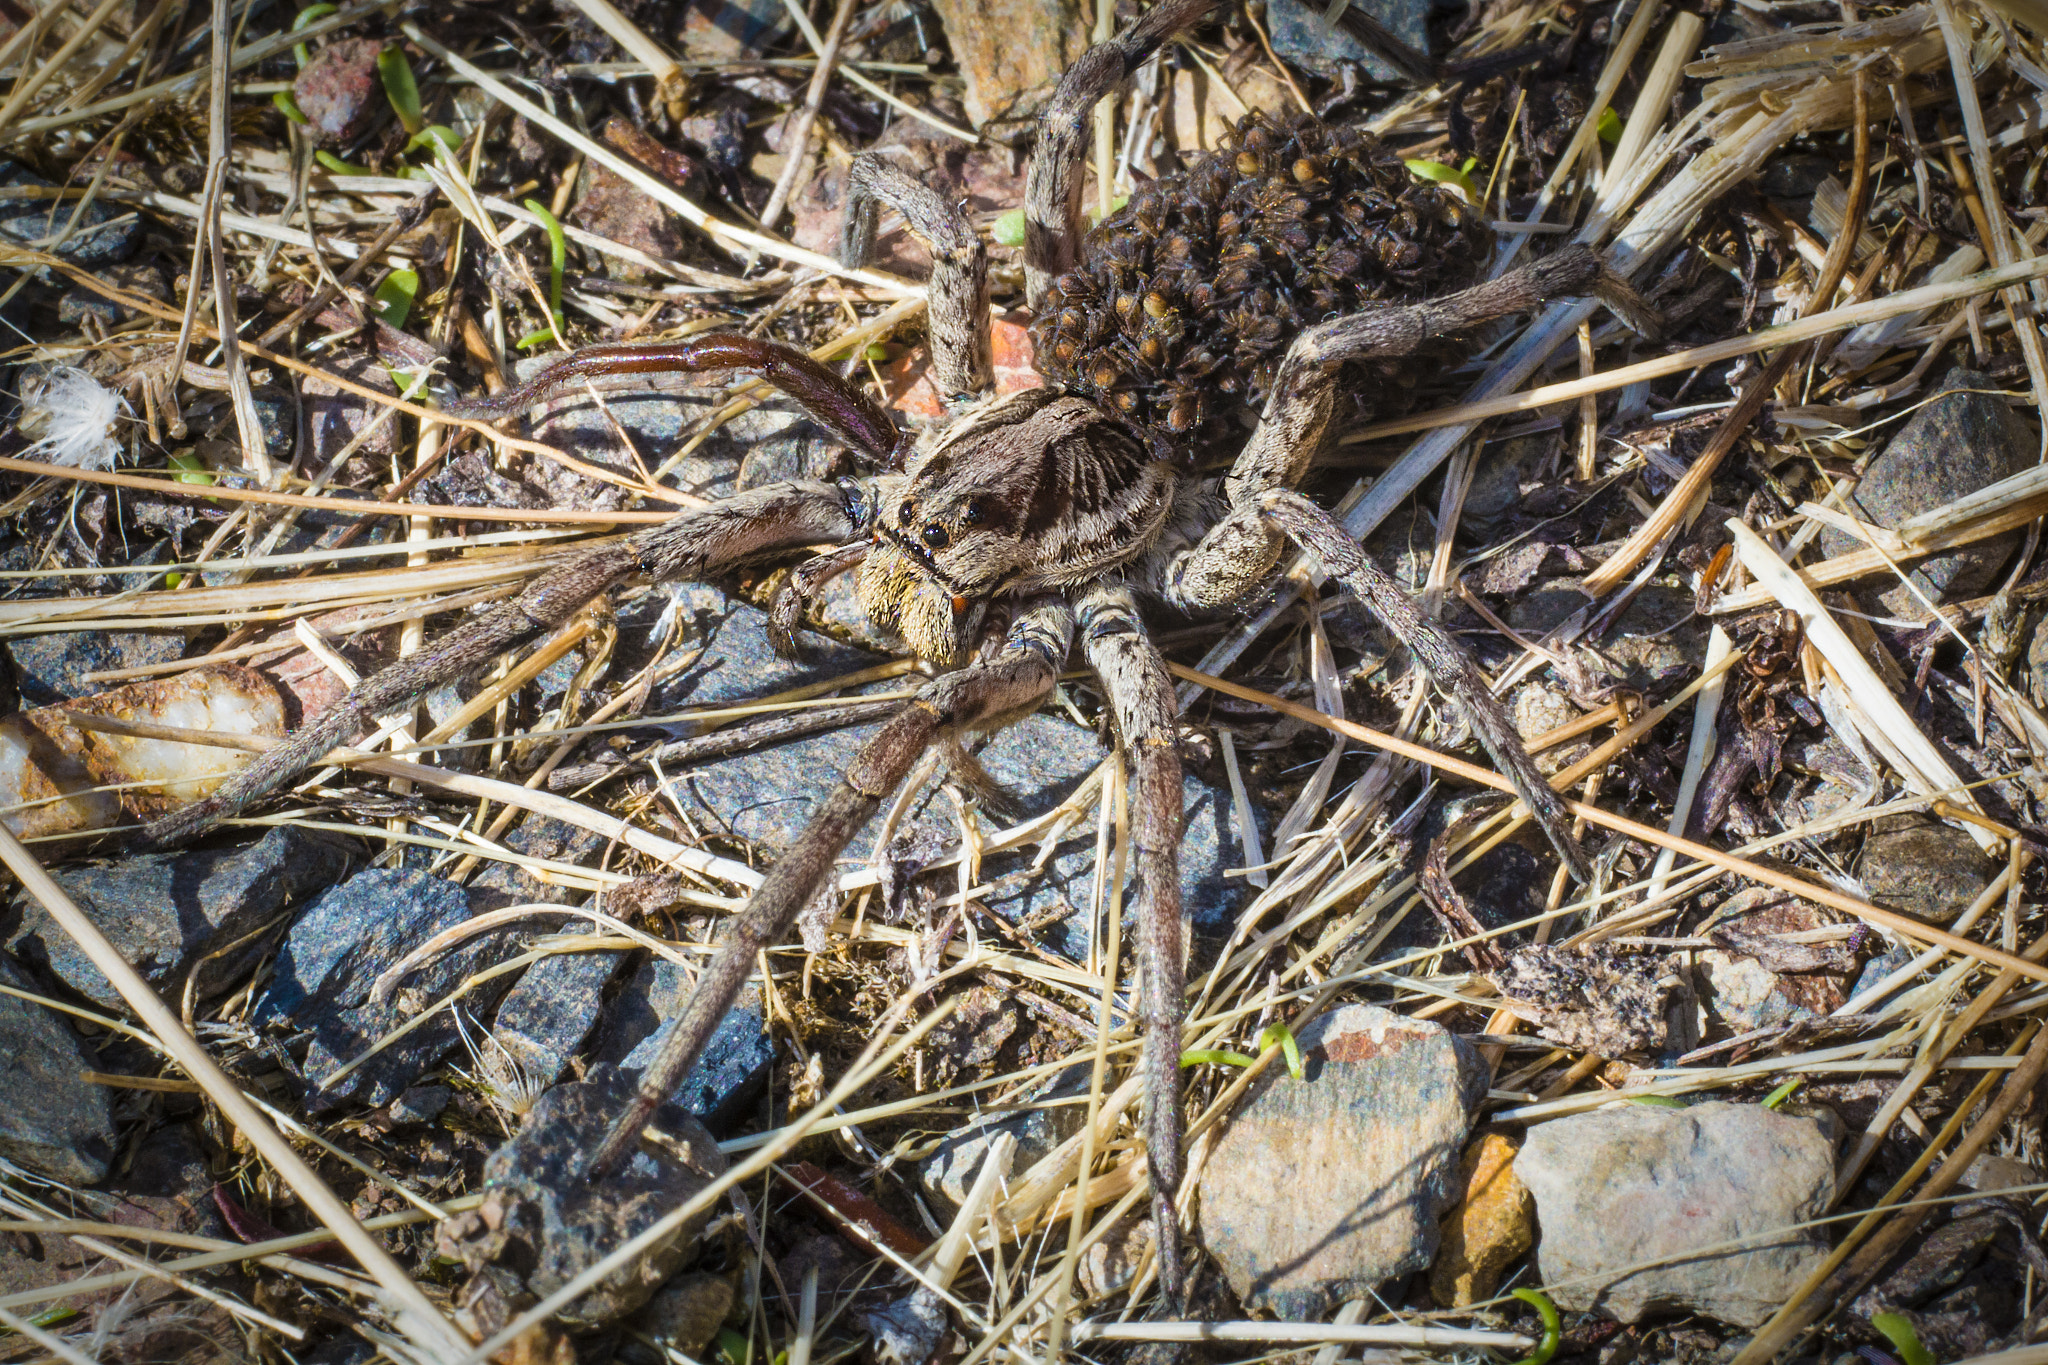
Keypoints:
pixel 733 1346
pixel 289 107
pixel 428 136
pixel 1658 1101
pixel 189 468
pixel 400 88
pixel 1209 1056
pixel 558 261
pixel 1783 1092
pixel 1903 1338
pixel 394 296
pixel 300 51
pixel 1009 229
pixel 50 1317
pixel 174 581
pixel 337 165
pixel 875 351
pixel 1609 126
pixel 1277 1032
pixel 1553 1330
pixel 1457 177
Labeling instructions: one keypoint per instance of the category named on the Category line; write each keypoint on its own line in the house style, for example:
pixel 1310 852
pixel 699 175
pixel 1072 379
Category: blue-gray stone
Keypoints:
pixel 105 233
pixel 1300 35
pixel 50 668
pixel 52 1119
pixel 767 796
pixel 730 1073
pixel 421 1104
pixel 544 1019
pixel 334 956
pixel 549 1011
pixel 1965 439
pixel 168 913
pixel 1038 1125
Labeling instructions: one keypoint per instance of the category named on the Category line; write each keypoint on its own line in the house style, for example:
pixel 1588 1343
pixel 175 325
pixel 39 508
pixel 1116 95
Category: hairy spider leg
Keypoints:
pixel 1241 549
pixel 957 307
pixel 1141 697
pixel 987 694
pixel 1052 187
pixel 764 521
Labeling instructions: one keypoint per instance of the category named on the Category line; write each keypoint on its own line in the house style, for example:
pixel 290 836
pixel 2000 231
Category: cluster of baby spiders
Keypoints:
pixel 994 543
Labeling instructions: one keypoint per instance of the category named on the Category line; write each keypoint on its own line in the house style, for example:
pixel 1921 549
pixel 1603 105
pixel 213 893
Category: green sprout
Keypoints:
pixel 1277 1032
pixel 300 51
pixel 1903 1338
pixel 558 261
pixel 1609 126
pixel 735 1348
pixel 394 297
pixel 191 469
pixel 432 133
pixel 289 107
pixel 1659 1101
pixel 399 86
pixel 1783 1092
pixel 1553 1330
pixel 1458 177
pixel 337 165
pixel 1009 229
pixel 1274 1033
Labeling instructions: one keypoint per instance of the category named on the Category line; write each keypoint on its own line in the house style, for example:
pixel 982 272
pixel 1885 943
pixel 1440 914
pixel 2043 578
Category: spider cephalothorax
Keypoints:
pixel 1028 493
pixel 1029 529
pixel 1184 301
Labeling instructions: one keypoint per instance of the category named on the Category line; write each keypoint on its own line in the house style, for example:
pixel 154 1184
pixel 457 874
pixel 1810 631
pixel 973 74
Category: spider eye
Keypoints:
pixel 935 536
pixel 907 513
pixel 973 512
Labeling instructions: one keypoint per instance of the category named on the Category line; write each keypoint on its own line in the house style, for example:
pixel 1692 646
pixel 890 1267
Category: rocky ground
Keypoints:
pixel 1765 1088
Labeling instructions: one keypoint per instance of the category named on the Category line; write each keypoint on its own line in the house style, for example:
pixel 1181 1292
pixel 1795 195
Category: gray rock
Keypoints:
pixel 1319 1190
pixel 1876 970
pixel 1637 1183
pixel 105 234
pixel 50 668
pixel 136 277
pixel 332 959
pixel 735 1063
pixel 1300 35
pixel 546 1016
pixel 51 1118
pixel 767 796
pixel 1952 447
pixel 1038 1127
pixel 421 1104
pixel 544 1219
pixel 686 1313
pixel 1924 869
pixel 338 91
pixel 168 912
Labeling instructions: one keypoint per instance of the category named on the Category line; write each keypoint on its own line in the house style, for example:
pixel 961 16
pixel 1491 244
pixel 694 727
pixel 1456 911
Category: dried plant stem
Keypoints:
pixel 1825 1291
pixel 1680 502
pixel 1904 925
pixel 797 139
pixel 1846 318
pixel 419 1317
pixel 365 506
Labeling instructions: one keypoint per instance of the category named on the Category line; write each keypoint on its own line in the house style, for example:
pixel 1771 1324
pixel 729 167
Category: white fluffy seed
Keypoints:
pixel 77 418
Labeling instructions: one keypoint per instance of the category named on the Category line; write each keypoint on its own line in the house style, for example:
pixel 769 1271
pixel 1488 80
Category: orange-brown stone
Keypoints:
pixel 1494 1222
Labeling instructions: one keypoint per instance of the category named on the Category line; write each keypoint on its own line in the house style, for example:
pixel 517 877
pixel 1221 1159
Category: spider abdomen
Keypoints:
pixel 1184 301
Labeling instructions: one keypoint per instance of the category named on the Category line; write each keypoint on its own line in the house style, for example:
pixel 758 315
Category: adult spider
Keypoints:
pixel 1034 519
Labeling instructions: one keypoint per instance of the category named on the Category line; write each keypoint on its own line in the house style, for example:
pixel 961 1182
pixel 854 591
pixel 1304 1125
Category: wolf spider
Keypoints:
pixel 990 547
